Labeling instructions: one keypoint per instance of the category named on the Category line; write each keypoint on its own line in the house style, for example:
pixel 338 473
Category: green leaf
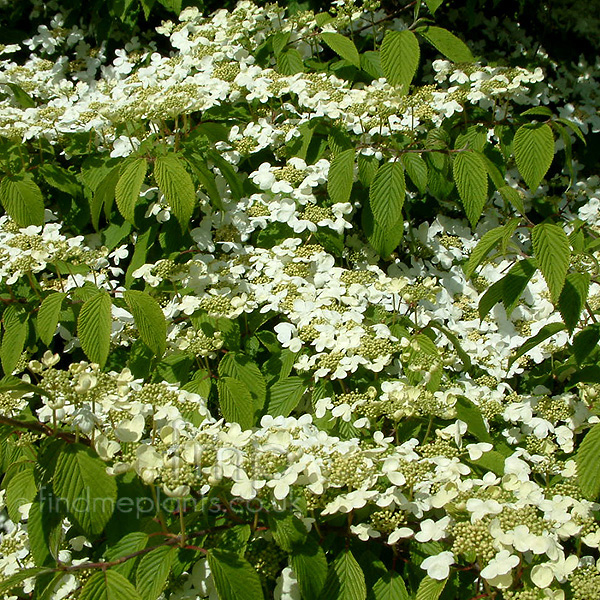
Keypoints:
pixel 543 111
pixel 387 194
pixel 284 395
pixel 108 585
pixel 82 483
pixel 370 62
pixel 310 566
pixel 149 320
pixel 127 190
pixel 383 241
pixel 104 195
pixel 43 527
pixel 433 5
pixel 231 175
pixel 290 62
pixel 48 316
pixel 484 245
pixel 543 334
pixel 513 197
pixel 128 544
pixel 492 296
pixel 552 251
pixel 288 530
pixel 367 168
pixel 588 456
pixel 573 127
pixel 234 577
pixel 94 326
pixel 400 54
pixel 14 321
pixel 22 199
pixel 447 43
pixel 515 282
pixel 153 571
pixel 430 589
pixel 573 298
pixel 416 168
pixel 341 176
pixel 236 402
pixel 173 5
pixel 469 413
pixel 534 151
pixel 14 581
pixel 177 186
pixel 239 365
pixel 342 46
pixel 21 96
pixel 390 587
pixel 585 342
pixel 470 175
pixel 345 579
pixel 21 490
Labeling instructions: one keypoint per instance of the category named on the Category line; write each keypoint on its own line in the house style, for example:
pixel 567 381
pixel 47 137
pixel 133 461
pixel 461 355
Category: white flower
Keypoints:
pixel 438 566
pixel 432 530
pixel 498 570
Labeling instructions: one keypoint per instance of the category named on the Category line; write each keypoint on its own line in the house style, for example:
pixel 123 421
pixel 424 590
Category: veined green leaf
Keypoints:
pixel 387 194
pixel 552 251
pixel 21 96
pixel 345 580
pixel 587 459
pixel 284 395
pixel 21 490
pixel 573 298
pixel 447 43
pixel 543 334
pixel 108 585
pixel 289 62
pixel 342 46
pixel 234 577
pixel 433 5
pixel 534 151
pixel 416 168
pixel 22 199
pixel 470 175
pixel 128 544
pixel 400 54
pixel 370 62
pixel 288 530
pixel 48 316
pixel 573 127
pixel 511 195
pixel 515 282
pixel 153 570
pixel 127 190
pixel 585 342
pixel 390 587
pixel 240 366
pixel 469 413
pixel 236 402
pixel 367 168
pixel 430 589
pixel 19 577
pixel 149 319
pixel 310 566
pixel 484 245
pixel 88 491
pixel 94 326
pixel 177 186
pixel 14 321
pixel 341 176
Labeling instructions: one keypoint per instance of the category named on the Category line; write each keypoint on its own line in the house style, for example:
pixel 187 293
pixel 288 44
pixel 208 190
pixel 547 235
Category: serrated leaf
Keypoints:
pixel 390 587
pixel 588 456
pixel 469 413
pixel 108 585
pixel 149 319
pixel 470 175
pixel 370 62
pixel 515 282
pixel 288 530
pixel 430 589
pixel 234 577
pixel 177 186
pixel 48 316
pixel 236 402
pixel 383 241
pixel 14 323
pixel 585 342
pixel 573 298
pixel 342 46
pixel 483 248
pixel 513 197
pixel 345 579
pixel 13 581
pixel 310 566
pixel 552 251
pixel 543 334
pixel 240 366
pixel 127 190
pixel 43 524
pixel 534 151
pixel 94 326
pixel 85 489
pixel 21 96
pixel 400 54
pixel 543 111
pixel 367 168
pixel 387 194
pixel 22 199
pixel 490 298
pixel 284 395
pixel 128 544
pixel 341 176
pixel 231 175
pixel 21 490
pixel 573 127
pixel 433 5
pixel 416 168
pixel 153 571
pixel 289 62
pixel 447 43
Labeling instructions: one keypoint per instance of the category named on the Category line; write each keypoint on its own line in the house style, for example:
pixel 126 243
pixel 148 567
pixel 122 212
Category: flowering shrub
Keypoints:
pixel 298 305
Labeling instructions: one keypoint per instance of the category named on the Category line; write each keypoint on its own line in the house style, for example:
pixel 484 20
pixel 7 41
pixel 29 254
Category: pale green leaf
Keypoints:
pixel 177 186
pixel 416 169
pixel 492 296
pixel 94 326
pixel 22 199
pixel 289 62
pixel 367 168
pixel 236 402
pixel 234 577
pixel 342 46
pixel 288 530
pixel 470 175
pixel 127 190
pixel 573 298
pixel 400 54
pixel 14 322
pixel 21 490
pixel 483 248
pixel 48 316
pixel 370 62
pixel 390 587
pixel 512 196
pixel 149 319
pixel 387 194
pixel 433 5
pixel 552 251
pixel 588 458
pixel 534 151
pixel 345 579
pixel 447 43
pixel 341 176
pixel 470 414
pixel 241 367
pixel 284 395
pixel 14 581
pixel 128 544
pixel 430 589
pixel 108 585
pixel 310 566
pixel 542 335
pixel 87 490
pixel 383 241
pixel 153 571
